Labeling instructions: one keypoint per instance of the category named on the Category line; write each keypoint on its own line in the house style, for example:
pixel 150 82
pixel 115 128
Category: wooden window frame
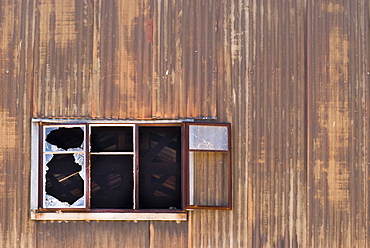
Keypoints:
pixel 45 213
pixel 42 164
pixel 186 164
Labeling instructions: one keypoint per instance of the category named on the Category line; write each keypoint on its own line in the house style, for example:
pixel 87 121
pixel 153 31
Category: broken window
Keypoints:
pixel 135 167
pixel 64 167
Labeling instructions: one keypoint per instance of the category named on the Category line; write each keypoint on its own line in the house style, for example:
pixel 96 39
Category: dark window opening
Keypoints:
pixel 111 139
pixel 66 138
pixel 63 180
pixel 160 168
pixel 111 181
pixel 127 167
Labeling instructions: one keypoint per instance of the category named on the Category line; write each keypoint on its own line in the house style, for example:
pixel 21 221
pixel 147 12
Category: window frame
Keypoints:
pixel 134 156
pixel 37 157
pixel 42 164
pixel 187 173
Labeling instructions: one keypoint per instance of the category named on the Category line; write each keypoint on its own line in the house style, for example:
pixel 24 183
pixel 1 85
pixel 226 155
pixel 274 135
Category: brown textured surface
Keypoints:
pixel 338 123
pixel 291 76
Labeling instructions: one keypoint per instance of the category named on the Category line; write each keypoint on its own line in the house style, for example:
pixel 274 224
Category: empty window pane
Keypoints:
pixel 208 178
pixel 112 139
pixel 160 168
pixel 111 181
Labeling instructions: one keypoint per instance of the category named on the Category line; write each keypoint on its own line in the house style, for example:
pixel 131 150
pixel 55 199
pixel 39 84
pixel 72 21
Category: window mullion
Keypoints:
pixel 88 166
pixel 136 167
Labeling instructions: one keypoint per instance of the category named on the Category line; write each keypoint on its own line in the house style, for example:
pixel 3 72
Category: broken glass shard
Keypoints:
pixel 64 138
pixel 79 158
pixel 52 202
pixel 48 157
pixel 208 137
pixel 63 179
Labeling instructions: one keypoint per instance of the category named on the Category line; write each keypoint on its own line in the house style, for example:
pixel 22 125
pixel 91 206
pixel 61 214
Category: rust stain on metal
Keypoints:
pixel 338 169
pixel 8 134
pixel 336 193
pixel 8 46
pixel 63 60
pixel 333 110
pixel 60 20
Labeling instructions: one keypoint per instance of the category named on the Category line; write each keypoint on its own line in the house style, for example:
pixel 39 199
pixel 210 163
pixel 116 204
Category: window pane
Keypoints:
pixel 111 181
pixel 112 139
pixel 208 178
pixel 64 138
pixel 208 137
pixel 64 181
pixel 160 168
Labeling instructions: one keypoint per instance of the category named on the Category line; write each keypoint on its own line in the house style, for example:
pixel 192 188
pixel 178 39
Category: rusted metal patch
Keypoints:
pixel 63 59
pixel 60 20
pixel 8 134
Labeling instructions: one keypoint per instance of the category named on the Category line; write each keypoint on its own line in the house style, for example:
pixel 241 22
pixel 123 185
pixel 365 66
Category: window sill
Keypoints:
pixel 68 216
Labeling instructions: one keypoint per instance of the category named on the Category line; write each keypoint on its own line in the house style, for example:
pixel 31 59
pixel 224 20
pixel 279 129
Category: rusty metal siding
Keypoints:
pixel 291 76
pixel 168 234
pixel 123 67
pixel 337 55
pixel 185 69
pixel 124 59
pixel 63 64
pixel 15 67
pixel 230 228
pixel 92 234
pixel 276 154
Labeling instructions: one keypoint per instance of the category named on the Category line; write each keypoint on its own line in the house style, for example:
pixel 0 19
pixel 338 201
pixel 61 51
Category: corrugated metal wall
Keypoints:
pixel 276 154
pixel 338 141
pixel 291 76
pixel 16 49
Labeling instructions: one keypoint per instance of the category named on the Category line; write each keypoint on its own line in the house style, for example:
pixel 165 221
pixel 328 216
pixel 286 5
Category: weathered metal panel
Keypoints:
pixel 337 65
pixel 230 228
pixel 277 186
pixel 168 234
pixel 262 78
pixel 92 234
pixel 63 58
pixel 184 59
pixel 123 59
pixel 291 76
pixel 15 87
